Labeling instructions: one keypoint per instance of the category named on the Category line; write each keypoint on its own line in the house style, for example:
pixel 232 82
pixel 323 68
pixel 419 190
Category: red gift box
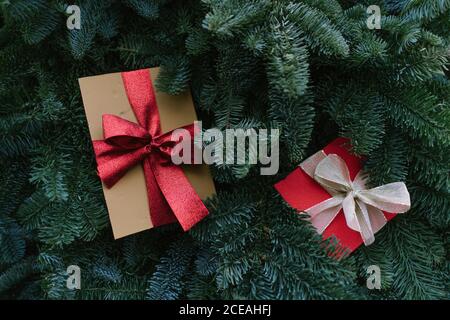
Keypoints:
pixel 302 192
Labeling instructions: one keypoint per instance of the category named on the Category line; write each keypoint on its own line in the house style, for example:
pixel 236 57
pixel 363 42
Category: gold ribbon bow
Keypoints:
pixel 362 207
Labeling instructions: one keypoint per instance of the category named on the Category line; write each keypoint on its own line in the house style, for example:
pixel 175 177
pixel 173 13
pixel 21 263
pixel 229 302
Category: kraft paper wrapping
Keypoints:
pixel 127 200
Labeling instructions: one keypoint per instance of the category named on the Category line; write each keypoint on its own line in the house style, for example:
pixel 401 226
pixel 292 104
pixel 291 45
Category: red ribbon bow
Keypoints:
pixel 126 144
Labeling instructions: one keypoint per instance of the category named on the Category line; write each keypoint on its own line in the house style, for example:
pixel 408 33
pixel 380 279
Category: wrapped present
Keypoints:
pixel 331 188
pixel 130 123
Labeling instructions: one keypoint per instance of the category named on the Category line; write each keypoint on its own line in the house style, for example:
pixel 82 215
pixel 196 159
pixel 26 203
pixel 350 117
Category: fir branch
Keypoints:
pixel 320 32
pixel 166 282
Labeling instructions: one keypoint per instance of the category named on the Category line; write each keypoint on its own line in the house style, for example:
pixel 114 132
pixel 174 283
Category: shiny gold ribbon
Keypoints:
pixel 362 207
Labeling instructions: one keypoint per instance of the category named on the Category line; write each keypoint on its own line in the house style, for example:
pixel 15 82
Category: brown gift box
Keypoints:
pixel 127 200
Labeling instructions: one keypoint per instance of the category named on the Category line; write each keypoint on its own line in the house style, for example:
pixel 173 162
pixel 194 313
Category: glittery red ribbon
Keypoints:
pixel 126 144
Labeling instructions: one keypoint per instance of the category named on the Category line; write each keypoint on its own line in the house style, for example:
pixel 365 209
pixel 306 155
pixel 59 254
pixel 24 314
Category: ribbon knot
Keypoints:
pixel 127 144
pixel 363 208
pixel 148 148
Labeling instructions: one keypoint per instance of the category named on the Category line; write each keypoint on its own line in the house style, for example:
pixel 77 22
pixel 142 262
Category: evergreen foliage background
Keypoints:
pixel 311 68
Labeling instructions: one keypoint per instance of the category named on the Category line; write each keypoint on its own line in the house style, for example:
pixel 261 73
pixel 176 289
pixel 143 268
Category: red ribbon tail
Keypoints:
pixel 185 203
pixel 160 212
